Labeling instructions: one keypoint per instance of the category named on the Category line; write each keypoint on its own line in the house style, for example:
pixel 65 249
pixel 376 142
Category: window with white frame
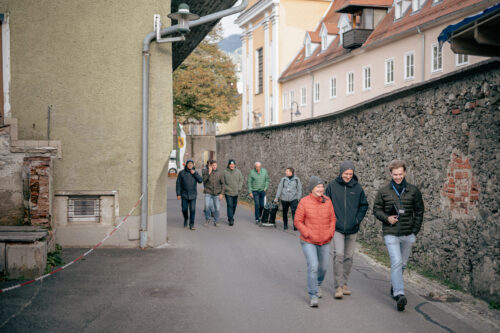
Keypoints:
pixel 367 77
pixel 285 105
pixel 316 92
pixel 333 87
pixel 292 98
pixel 350 83
pixel 417 4
pixel 436 58
pixel 462 59
pixel 259 71
pixel 389 71
pixel 84 209
pixel 409 65
pixel 308 48
pixel 303 96
pixel 398 9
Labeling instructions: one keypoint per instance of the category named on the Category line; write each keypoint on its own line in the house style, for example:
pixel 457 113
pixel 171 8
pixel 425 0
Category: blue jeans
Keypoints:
pixel 231 202
pixel 191 206
pixel 399 248
pixel 258 199
pixel 317 257
pixel 212 206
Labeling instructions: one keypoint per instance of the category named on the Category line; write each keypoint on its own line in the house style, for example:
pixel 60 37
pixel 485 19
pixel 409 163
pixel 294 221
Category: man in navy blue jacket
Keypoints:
pixel 350 205
pixel 186 188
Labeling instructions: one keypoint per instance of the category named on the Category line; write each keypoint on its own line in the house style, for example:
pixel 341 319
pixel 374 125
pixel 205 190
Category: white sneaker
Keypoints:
pixel 319 293
pixel 314 302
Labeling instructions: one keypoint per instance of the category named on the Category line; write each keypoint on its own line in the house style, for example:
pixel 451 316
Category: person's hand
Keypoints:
pixel 275 200
pixel 192 171
pixel 220 196
pixel 251 195
pixel 178 197
pixel 210 169
pixel 392 219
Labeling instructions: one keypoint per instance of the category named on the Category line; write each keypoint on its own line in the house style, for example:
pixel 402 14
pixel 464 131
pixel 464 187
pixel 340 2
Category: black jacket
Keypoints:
pixel 411 202
pixel 349 202
pixel 186 186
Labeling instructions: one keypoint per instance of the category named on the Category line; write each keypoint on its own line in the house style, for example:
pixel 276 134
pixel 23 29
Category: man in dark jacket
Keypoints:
pixel 186 189
pixel 400 207
pixel 214 189
pixel 350 204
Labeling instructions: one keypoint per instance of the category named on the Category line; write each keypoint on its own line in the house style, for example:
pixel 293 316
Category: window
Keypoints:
pixel 260 71
pixel 398 9
pixel 285 105
pixel 350 83
pixel 389 71
pixel 324 42
pixel 437 58
pixel 462 59
pixel 367 78
pixel 308 49
pixel 333 87
pixel 417 4
pixel 409 65
pixel 84 209
pixel 292 98
pixel 303 94
pixel 316 92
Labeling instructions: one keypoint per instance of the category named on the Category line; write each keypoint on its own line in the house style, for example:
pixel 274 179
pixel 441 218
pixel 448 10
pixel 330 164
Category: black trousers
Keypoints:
pixel 289 204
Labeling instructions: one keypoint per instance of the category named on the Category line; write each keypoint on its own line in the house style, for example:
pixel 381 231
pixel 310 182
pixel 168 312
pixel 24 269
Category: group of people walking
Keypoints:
pixel 326 213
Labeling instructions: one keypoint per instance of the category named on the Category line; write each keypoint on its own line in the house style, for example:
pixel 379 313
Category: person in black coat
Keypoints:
pixel 187 190
pixel 350 205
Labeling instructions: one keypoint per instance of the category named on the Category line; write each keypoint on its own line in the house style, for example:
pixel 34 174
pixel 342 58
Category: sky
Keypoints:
pixel 229 27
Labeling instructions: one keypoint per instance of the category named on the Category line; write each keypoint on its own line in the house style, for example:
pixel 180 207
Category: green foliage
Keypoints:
pixel 205 83
pixel 494 306
pixel 54 259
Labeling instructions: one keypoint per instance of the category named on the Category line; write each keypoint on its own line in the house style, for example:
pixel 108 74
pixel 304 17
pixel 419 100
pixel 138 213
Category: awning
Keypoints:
pixel 475 35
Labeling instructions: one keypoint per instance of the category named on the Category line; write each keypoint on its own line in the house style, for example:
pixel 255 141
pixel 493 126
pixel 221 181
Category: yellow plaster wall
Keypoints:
pixel 84 59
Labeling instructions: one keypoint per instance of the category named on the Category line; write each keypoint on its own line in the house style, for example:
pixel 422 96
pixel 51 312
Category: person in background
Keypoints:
pixel 258 182
pixel 350 204
pixel 233 183
pixel 214 189
pixel 315 219
pixel 187 190
pixel 289 191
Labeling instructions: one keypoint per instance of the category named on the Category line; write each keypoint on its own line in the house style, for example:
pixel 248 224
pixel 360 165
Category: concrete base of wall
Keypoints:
pixel 26 261
pixel 2 258
pixel 87 235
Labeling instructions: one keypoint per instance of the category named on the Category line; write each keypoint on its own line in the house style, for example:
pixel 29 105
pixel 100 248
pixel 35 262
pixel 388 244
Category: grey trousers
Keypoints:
pixel 343 251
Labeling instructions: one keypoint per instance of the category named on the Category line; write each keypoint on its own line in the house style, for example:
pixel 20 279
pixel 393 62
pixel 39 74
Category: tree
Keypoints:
pixel 205 83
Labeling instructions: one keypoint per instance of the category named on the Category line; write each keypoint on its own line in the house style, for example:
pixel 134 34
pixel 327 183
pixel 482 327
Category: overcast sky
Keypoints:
pixel 229 27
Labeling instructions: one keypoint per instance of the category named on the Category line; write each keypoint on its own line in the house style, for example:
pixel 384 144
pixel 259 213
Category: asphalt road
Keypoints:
pixel 243 278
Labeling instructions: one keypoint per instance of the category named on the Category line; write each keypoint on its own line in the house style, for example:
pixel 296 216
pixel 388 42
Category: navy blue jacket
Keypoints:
pixel 186 185
pixel 349 202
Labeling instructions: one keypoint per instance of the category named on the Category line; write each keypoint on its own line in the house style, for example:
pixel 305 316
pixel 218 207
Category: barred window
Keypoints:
pixel 84 208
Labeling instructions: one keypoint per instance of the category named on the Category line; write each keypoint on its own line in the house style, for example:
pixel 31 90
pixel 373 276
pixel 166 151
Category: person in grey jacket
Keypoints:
pixel 233 183
pixel 290 192
pixel 350 204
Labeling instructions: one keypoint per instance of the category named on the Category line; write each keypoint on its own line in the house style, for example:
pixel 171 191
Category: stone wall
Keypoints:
pixel 448 131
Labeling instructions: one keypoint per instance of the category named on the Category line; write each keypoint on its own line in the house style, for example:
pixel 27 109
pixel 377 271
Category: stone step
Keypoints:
pixel 13 228
pixel 22 237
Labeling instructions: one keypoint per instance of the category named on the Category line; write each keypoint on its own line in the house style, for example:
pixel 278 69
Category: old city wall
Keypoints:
pixel 447 130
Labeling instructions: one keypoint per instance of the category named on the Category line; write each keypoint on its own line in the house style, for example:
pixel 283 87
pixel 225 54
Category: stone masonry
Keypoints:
pixel 447 130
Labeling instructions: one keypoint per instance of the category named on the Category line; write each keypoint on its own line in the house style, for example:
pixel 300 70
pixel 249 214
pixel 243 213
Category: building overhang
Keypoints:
pixel 181 50
pixel 351 9
pixel 475 35
pixel 254 11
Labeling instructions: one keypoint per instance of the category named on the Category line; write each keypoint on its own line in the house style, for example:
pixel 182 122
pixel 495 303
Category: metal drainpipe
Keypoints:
pixel 312 93
pixel 150 37
pixel 423 52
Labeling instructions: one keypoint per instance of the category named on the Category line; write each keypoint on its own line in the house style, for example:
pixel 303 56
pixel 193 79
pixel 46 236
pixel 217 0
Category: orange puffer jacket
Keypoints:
pixel 315 219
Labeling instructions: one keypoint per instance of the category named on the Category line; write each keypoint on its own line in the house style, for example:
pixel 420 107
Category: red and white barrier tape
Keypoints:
pixel 77 259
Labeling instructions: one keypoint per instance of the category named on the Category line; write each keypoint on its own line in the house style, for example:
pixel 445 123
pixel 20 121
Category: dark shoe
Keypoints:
pixel 215 224
pixel 294 229
pixel 185 224
pixel 257 221
pixel 401 302
pixel 191 227
pixel 231 223
pixel 285 227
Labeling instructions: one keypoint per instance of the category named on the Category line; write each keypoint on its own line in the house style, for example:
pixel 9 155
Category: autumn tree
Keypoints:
pixel 205 83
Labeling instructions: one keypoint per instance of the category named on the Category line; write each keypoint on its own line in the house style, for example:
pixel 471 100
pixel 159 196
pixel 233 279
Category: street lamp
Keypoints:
pixel 297 112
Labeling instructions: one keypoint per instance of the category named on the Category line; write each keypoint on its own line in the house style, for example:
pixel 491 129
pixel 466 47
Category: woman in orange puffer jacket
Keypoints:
pixel 315 220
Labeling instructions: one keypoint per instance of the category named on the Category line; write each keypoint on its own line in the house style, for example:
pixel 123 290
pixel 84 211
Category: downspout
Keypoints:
pixel 423 52
pixel 150 37
pixel 312 93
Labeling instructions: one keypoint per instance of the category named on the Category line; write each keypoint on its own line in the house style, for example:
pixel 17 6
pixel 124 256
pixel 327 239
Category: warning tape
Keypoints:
pixel 77 259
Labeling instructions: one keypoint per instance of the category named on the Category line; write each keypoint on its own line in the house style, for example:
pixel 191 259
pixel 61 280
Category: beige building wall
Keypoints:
pixel 294 18
pixel 83 59
pixel 375 58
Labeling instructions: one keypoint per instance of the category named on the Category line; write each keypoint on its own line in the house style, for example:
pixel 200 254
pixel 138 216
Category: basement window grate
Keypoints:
pixel 84 209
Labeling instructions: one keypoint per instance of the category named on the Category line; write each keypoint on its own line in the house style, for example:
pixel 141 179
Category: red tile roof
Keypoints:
pixel 331 28
pixel 314 35
pixel 387 28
